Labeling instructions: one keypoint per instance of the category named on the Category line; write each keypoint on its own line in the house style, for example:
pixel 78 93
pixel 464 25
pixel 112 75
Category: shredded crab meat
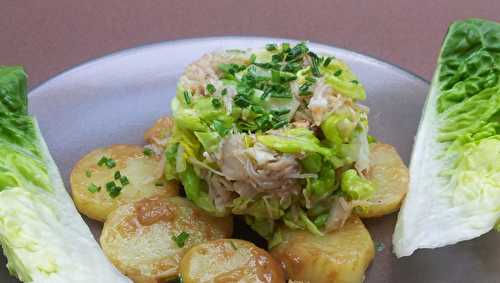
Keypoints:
pixel 339 213
pixel 258 169
pixel 220 190
pixel 363 155
pixel 326 101
pixel 205 70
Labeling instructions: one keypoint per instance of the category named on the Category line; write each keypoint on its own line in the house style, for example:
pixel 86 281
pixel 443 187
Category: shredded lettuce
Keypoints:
pixel 342 80
pixel 356 187
pixel 197 191
pixel 295 140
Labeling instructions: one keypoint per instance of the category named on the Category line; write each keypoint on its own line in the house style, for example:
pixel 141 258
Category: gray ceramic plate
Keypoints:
pixel 115 98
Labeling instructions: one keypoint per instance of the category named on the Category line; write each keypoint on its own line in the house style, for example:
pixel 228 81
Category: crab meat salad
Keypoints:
pixel 277 135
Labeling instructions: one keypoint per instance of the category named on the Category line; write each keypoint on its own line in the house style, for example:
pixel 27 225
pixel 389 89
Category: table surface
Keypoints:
pixel 48 37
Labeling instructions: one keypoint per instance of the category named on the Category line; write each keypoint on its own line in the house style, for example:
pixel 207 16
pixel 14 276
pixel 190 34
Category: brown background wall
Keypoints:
pixel 50 36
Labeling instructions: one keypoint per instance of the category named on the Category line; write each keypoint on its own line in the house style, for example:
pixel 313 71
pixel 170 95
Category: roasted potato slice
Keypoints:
pixel 143 174
pixel 160 132
pixel 390 176
pixel 147 239
pixel 229 260
pixel 341 256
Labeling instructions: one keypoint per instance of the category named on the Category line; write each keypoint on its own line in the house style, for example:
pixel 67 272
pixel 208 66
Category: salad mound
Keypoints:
pixel 274 134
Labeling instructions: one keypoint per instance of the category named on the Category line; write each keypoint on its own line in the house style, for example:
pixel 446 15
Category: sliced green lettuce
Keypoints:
pixel 356 187
pixel 42 235
pixel 455 179
pixel 340 77
pixel 295 140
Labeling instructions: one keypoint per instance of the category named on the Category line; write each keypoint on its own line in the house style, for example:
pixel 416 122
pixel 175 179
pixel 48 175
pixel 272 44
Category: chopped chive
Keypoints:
pixel 110 185
pixel 253 57
pixel 180 239
pixel 187 97
pixel 88 173
pixel 275 76
pixel 355 82
pixel 305 93
pixel 279 112
pixel 281 95
pixel 233 245
pixel 211 88
pixel 124 180
pixel 285 46
pixel 327 61
pixel 102 161
pixel 257 109
pixel 110 163
pixel 338 72
pixel 114 191
pixel 241 101
pixel 314 64
pixel 265 95
pixel 159 183
pixel 304 87
pixel 271 47
pixel 118 175
pixel 216 103
pixel 287 77
pixel 148 152
pixel 223 92
pixel 379 247
pixel 311 79
pixel 93 188
pixel 280 124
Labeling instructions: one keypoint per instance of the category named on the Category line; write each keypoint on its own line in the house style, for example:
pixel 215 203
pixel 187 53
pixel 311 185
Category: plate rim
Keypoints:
pixel 36 88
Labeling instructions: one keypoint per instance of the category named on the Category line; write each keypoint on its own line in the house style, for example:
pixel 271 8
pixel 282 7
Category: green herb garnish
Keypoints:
pixel 216 103
pixel 124 180
pixel 93 188
pixel 211 88
pixel 281 95
pixel 327 61
pixel 148 152
pixel 280 124
pixel 233 245
pixel 112 189
pixel 118 175
pixel 181 239
pixel 253 57
pixel 88 173
pixel 338 72
pixel 271 47
pixel 223 92
pixel 280 111
pixel 187 97
pixel 108 162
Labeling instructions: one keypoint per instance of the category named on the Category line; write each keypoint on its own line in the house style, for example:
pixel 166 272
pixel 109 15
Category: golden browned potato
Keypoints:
pixel 229 260
pixel 389 175
pixel 160 132
pixel 341 256
pixel 147 239
pixel 139 176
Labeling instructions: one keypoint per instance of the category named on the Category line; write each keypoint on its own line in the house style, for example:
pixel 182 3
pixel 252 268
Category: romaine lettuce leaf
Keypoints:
pixel 454 190
pixel 42 234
